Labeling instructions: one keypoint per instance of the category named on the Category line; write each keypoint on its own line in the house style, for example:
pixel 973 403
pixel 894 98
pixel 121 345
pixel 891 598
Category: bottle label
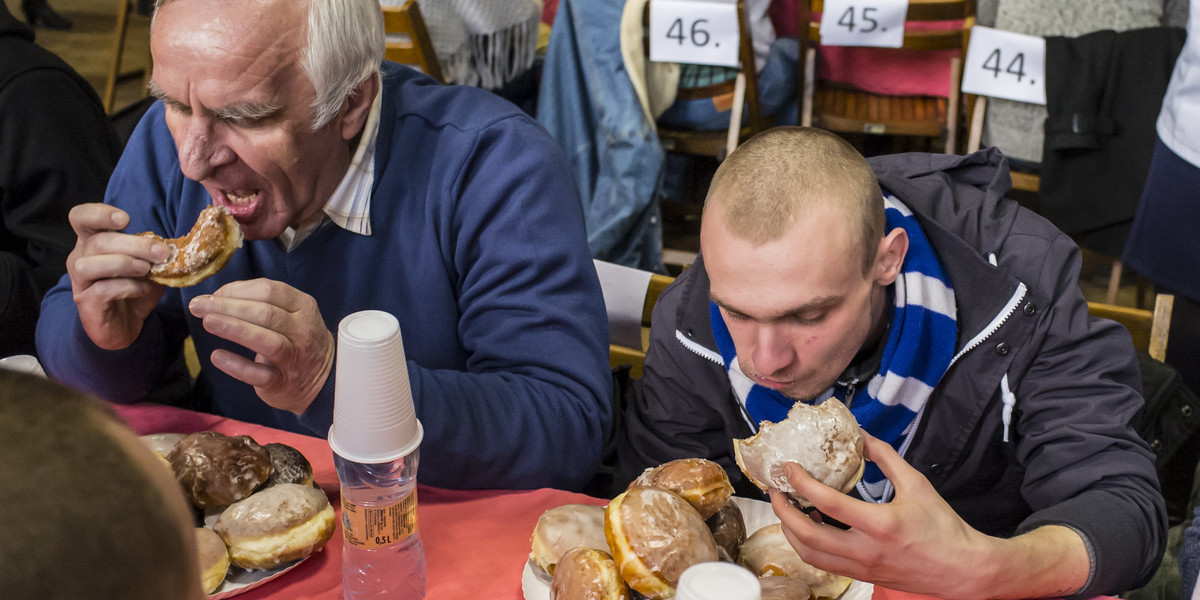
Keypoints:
pixel 376 527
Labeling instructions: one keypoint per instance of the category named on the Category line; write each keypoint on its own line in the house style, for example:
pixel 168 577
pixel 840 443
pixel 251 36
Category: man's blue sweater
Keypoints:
pixel 477 247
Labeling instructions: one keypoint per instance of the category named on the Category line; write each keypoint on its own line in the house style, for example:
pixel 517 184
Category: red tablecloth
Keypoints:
pixel 476 542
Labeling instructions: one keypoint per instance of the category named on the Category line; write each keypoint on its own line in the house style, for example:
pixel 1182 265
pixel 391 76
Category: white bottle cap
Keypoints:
pixel 718 581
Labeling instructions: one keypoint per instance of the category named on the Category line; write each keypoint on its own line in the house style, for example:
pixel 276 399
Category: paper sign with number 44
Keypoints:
pixel 1003 64
pixel 694 31
pixel 877 23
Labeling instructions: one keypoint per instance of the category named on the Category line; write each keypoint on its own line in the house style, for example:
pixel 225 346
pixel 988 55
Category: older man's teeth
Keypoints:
pixel 236 199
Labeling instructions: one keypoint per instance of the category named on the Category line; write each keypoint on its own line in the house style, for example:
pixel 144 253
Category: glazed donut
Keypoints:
pixel 824 439
pixel 654 537
pixel 280 524
pixel 588 574
pixel 768 553
pixel 565 527
pixel 201 253
pixel 288 465
pixel 703 483
pixel 217 470
pixel 213 558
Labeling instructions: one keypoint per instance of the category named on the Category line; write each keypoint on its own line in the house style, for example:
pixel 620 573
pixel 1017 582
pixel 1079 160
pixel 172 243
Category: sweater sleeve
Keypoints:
pixel 64 348
pixel 57 150
pixel 1086 467
pixel 532 407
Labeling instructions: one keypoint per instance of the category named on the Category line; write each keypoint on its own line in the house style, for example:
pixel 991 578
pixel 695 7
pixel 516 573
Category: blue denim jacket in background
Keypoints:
pixel 589 105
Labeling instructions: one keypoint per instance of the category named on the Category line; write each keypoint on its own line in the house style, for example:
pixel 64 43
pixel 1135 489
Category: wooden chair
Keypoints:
pixel 115 74
pixel 843 109
pixel 636 356
pixel 742 92
pixel 416 48
pixel 1150 329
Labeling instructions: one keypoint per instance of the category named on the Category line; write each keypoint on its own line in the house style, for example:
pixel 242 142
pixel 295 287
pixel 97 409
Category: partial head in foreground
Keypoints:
pixel 266 99
pixel 93 513
pixel 794 244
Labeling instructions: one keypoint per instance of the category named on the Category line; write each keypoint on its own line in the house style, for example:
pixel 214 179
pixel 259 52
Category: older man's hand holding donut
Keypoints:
pixel 108 275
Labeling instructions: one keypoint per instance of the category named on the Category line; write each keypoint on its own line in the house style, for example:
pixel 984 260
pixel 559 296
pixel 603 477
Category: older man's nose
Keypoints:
pixel 201 150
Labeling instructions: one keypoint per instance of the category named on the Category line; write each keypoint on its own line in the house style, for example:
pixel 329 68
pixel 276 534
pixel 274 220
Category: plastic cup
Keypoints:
pixel 373 416
pixel 22 363
pixel 713 580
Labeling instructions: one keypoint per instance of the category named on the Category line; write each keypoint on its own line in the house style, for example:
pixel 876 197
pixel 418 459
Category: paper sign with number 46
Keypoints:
pixel 1003 64
pixel 694 31
pixel 877 23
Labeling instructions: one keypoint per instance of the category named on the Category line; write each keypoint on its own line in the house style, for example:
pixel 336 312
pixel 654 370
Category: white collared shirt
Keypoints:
pixel 350 204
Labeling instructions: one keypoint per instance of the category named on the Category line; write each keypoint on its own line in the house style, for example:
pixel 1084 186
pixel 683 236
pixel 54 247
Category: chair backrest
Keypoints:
pixel 1150 329
pixel 909 116
pixel 415 47
pixel 711 143
pixel 622 351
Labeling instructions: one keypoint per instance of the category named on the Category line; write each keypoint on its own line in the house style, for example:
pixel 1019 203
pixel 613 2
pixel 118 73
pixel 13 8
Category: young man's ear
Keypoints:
pixel 890 256
pixel 357 107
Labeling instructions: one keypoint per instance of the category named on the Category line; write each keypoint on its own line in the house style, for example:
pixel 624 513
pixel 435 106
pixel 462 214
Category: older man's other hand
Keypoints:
pixel 282 325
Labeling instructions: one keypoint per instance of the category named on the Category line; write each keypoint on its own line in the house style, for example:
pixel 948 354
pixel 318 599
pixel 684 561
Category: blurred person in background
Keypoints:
pixel 57 149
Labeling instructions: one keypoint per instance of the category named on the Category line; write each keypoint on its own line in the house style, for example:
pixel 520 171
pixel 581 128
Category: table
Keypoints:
pixel 476 542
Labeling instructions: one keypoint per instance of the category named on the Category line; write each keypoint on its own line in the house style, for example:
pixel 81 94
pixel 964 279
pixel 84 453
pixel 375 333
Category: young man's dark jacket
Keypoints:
pixel 1072 457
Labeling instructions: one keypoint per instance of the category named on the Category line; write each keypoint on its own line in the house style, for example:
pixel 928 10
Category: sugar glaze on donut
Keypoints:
pixel 202 252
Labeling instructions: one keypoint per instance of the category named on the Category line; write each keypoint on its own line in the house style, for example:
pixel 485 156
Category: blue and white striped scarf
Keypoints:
pixel 918 351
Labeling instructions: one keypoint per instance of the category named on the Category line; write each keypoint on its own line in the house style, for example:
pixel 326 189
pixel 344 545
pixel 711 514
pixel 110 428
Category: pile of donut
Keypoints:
pixel 261 502
pixel 681 513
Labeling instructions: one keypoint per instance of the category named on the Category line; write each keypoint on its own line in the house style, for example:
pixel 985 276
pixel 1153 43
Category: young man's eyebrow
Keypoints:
pixel 814 304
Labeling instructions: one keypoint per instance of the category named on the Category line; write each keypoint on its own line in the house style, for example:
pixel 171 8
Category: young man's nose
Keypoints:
pixel 772 352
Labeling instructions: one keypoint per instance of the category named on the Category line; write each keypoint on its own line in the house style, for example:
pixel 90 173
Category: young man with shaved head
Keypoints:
pixel 1003 459
pixel 358 184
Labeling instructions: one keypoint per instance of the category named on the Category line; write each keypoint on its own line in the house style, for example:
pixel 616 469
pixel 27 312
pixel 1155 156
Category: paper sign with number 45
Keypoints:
pixel 877 23
pixel 694 31
pixel 1003 64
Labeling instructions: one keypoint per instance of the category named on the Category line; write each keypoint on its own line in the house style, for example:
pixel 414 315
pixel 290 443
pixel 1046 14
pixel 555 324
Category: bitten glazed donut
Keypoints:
pixel 201 253
pixel 824 439
pixel 280 524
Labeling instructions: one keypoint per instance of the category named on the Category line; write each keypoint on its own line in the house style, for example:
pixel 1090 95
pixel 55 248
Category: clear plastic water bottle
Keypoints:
pixel 376 439
pixel 382 556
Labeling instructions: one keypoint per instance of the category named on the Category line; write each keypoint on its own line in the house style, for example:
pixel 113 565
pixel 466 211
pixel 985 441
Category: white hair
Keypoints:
pixel 344 47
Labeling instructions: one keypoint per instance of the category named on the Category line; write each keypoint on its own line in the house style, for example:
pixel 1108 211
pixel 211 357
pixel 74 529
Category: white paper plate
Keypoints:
pixel 240 580
pixel 756 513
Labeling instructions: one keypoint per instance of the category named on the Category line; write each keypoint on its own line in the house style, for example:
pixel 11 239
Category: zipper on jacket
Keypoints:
pixel 698 349
pixel 997 322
